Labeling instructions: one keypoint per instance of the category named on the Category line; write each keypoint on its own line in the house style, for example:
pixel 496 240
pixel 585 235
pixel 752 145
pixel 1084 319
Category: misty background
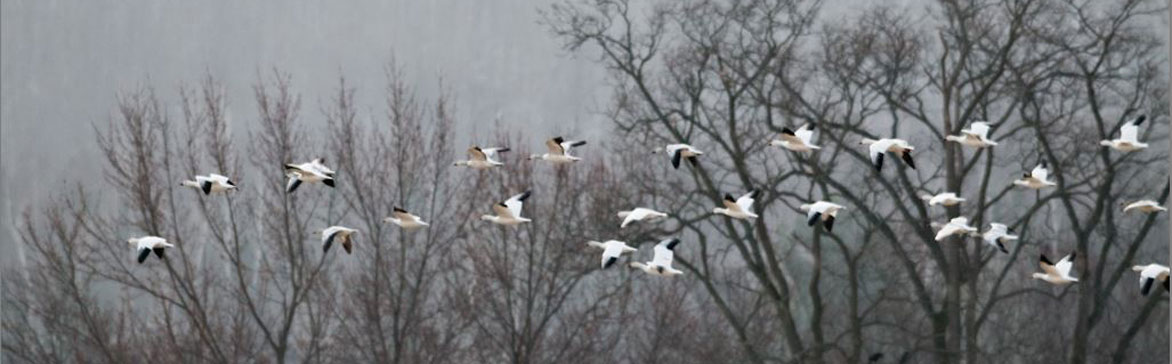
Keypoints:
pixel 64 63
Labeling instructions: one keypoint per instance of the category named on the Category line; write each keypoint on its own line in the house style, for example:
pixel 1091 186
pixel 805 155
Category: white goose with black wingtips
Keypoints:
pixel 660 265
pixel 611 251
pixel 508 212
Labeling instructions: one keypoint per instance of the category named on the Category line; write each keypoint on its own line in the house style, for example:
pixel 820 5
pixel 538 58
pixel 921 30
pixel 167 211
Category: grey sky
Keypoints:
pixel 62 63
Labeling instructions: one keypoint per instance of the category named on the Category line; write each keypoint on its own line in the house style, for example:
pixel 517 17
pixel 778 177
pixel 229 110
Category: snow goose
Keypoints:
pixel 878 148
pixel 1056 273
pixel 738 208
pixel 680 151
pixel 611 251
pixel 210 183
pixel 1128 137
pixel 1036 179
pixel 405 219
pixel 977 136
pixel 639 214
pixel 1145 206
pixel 509 211
pixel 147 244
pixel 997 236
pixel 311 172
pixel 482 158
pixel 660 265
pixel 559 151
pixel 958 225
pixel 798 141
pixel 1150 273
pixel 945 198
pixel 821 210
pixel 339 233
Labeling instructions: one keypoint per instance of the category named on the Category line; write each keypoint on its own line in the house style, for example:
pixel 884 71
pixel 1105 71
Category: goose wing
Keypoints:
pixel 1040 172
pixel 746 200
pixel 477 154
pixel 555 146
pixel 877 149
pixel 513 204
pixel 665 252
pixel 1129 132
pixel 568 145
pixel 1065 264
pixel 730 202
pixel 1047 266
pixel 805 133
pixel 402 214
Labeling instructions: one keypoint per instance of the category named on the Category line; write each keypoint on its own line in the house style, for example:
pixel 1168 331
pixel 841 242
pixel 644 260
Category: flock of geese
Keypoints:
pixel 508 212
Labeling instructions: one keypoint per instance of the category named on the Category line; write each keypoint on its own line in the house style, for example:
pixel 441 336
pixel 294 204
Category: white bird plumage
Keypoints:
pixel 1128 137
pixel 482 158
pixel 878 148
pixel 559 151
pixel 679 152
pixel 1145 206
pixel 639 214
pixel 508 212
pixel 341 234
pixel 977 136
pixel 958 225
pixel 147 244
pixel 945 199
pixel 660 265
pixel 739 208
pixel 611 251
pixel 825 211
pixel 1149 274
pixel 1058 274
pixel 212 183
pixel 796 140
pixel 312 172
pixel 1036 179
pixel 997 236
pixel 405 219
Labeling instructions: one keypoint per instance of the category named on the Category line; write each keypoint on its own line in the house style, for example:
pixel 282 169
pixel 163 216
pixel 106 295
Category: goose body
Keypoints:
pixel 997 236
pixel 946 199
pixel 1036 179
pixel 1058 274
pixel 1145 206
pixel 877 149
pixel 341 234
pixel 660 265
pixel 958 225
pixel 639 214
pixel 796 140
pixel 147 244
pixel 405 219
pixel 312 172
pixel 1149 274
pixel 508 212
pixel 679 152
pixel 822 211
pixel 212 183
pixel 482 158
pixel 559 151
pixel 611 251
pixel 739 208
pixel 977 136
pixel 1128 137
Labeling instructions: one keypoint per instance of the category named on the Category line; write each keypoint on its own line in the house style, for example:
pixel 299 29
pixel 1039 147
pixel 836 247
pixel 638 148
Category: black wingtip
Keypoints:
pixel 875 357
pixel 143 254
pixel 609 262
pixel 328 182
pixel 729 198
pixel 829 224
pixel 1140 120
pixel 398 209
pixel 813 219
pixel 1073 254
pixel 754 193
pixel 1044 260
pixel 907 158
pixel 675 159
pixel 558 140
pixel 525 195
pixel 671 243
pixel 502 150
pixel 787 131
pixel 812 126
pixel 206 187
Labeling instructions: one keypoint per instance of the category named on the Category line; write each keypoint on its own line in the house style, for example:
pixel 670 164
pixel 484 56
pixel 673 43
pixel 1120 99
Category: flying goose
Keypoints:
pixel 886 145
pixel 509 211
pixel 611 251
pixel 340 233
pixel 680 151
pixel 738 208
pixel 1036 179
pixel 945 198
pixel 639 214
pixel 998 235
pixel 1128 137
pixel 798 141
pixel 1150 273
pixel 1056 273
pixel 311 172
pixel 210 183
pixel 482 158
pixel 821 210
pixel 405 219
pixel 958 225
pixel 977 136
pixel 660 265
pixel 1145 206
pixel 145 245
pixel 559 151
